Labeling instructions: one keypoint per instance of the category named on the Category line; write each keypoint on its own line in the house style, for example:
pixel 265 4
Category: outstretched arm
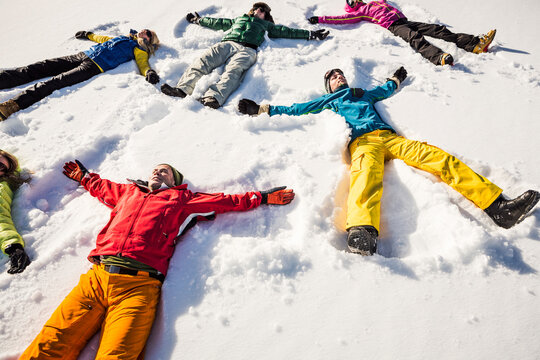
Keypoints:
pixel 246 106
pixel 88 35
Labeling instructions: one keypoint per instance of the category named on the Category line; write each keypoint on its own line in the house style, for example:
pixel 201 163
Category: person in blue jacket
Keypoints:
pixel 73 69
pixel 373 141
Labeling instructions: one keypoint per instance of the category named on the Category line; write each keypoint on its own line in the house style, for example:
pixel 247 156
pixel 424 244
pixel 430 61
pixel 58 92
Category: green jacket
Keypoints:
pixel 249 29
pixel 8 233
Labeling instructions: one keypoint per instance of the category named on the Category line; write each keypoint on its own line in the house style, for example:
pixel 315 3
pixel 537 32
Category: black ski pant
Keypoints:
pixel 414 32
pixel 65 71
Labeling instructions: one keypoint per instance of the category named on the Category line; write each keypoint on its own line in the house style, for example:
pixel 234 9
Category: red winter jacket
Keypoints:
pixel 144 224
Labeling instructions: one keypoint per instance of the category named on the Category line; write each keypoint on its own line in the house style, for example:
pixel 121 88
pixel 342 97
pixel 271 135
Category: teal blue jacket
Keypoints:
pixel 355 105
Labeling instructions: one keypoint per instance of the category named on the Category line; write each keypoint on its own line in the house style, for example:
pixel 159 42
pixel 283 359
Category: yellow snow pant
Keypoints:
pixel 368 153
pixel 124 306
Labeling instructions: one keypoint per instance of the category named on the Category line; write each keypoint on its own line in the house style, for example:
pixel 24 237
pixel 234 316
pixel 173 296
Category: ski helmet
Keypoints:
pixel 327 77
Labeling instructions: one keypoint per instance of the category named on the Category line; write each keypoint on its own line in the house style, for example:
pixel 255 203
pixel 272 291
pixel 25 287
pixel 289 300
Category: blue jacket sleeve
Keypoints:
pixel 381 92
pixel 310 107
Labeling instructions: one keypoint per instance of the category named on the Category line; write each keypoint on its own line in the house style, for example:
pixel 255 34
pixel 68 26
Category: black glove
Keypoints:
pixel 277 196
pixel 152 77
pixel 314 19
pixel 318 34
pixel 75 170
pixel 400 74
pixel 82 34
pixel 18 258
pixel 250 107
pixel 193 18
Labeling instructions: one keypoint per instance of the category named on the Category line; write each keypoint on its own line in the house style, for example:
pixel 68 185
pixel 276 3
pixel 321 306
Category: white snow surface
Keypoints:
pixel 278 282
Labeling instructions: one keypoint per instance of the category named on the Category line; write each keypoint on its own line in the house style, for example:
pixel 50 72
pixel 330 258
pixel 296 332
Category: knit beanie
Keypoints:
pixel 327 77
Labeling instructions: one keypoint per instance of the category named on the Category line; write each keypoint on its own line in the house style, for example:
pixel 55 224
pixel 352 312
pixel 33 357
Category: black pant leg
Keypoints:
pixel 404 30
pixel 464 41
pixel 33 94
pixel 50 67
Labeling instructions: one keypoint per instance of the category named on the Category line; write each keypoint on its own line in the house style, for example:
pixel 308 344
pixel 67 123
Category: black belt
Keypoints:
pixel 113 269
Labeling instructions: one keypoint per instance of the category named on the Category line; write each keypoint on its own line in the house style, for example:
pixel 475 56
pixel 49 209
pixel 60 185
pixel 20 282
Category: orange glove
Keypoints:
pixel 75 170
pixel 277 196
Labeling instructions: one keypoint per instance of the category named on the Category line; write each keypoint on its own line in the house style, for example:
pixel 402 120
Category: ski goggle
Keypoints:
pixel 329 73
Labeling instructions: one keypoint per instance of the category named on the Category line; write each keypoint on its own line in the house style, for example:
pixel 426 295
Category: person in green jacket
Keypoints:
pixel 237 50
pixel 11 242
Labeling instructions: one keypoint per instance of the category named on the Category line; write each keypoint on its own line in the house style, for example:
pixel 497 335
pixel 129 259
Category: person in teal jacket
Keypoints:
pixel 237 51
pixel 11 242
pixel 373 141
pixel 73 69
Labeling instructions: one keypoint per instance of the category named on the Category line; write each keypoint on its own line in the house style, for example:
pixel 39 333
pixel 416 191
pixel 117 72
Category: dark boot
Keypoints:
pixel 211 102
pixel 7 108
pixel 363 240
pixel 172 91
pixel 446 59
pixel 507 213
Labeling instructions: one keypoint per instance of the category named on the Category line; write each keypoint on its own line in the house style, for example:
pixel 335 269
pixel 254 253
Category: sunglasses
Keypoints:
pixel 148 34
pixel 3 168
pixel 260 9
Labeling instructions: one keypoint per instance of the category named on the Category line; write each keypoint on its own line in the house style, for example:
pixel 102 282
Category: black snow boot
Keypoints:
pixel 363 240
pixel 507 213
pixel 172 91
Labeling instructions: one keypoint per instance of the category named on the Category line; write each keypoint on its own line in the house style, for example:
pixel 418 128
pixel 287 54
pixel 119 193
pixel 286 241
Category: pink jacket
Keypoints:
pixel 377 12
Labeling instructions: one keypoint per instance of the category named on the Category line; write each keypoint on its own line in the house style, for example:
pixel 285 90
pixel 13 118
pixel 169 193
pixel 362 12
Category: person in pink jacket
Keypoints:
pixel 387 16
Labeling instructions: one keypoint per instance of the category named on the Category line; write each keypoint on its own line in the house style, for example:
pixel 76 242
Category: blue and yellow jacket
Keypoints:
pixel 8 233
pixel 355 105
pixel 111 52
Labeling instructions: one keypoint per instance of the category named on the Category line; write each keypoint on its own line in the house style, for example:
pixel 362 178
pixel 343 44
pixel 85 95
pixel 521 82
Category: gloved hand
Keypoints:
pixel 193 18
pixel 18 258
pixel 318 34
pixel 82 35
pixel 400 74
pixel 314 20
pixel 250 107
pixel 152 77
pixel 75 170
pixel 277 196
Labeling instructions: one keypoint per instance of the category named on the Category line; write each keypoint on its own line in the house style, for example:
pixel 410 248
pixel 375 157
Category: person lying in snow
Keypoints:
pixel 73 69
pixel 11 242
pixel 120 293
pixel 237 51
pixel 374 141
pixel 387 16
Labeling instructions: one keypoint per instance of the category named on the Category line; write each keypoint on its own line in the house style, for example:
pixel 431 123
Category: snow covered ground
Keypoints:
pixel 277 282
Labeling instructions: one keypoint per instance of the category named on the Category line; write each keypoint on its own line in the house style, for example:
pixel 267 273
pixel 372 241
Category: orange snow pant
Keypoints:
pixel 124 306
pixel 368 154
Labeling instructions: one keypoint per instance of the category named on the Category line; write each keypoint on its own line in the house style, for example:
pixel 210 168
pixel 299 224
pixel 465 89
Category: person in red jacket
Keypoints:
pixel 121 292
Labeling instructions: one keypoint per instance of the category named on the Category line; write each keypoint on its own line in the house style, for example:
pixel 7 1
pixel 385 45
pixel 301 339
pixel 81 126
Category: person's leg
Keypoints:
pixel 464 41
pixel 366 181
pixel 215 56
pixel 46 68
pixel 132 307
pixel 84 71
pixel 448 168
pixel 406 31
pixel 73 323
pixel 233 74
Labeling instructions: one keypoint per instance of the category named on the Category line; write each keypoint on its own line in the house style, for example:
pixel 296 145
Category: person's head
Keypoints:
pixel 148 40
pixel 9 170
pixel 333 79
pixel 164 174
pixel 262 11
pixel 353 3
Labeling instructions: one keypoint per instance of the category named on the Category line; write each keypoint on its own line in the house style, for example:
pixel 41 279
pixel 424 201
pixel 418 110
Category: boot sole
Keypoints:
pixel 361 252
pixel 529 207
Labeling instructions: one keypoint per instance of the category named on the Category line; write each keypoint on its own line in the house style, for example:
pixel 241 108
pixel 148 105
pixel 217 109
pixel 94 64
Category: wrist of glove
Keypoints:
pixel 83 35
pixel 250 107
pixel 399 76
pixel 18 258
pixel 193 18
pixel 75 170
pixel 318 34
pixel 152 77
pixel 314 20
pixel 277 196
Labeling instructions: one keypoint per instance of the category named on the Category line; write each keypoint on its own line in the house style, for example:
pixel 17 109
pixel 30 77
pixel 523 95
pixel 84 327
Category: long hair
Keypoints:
pixel 13 176
pixel 151 47
pixel 266 8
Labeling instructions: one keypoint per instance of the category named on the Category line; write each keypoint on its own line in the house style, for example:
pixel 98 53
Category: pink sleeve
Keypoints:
pixel 341 19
